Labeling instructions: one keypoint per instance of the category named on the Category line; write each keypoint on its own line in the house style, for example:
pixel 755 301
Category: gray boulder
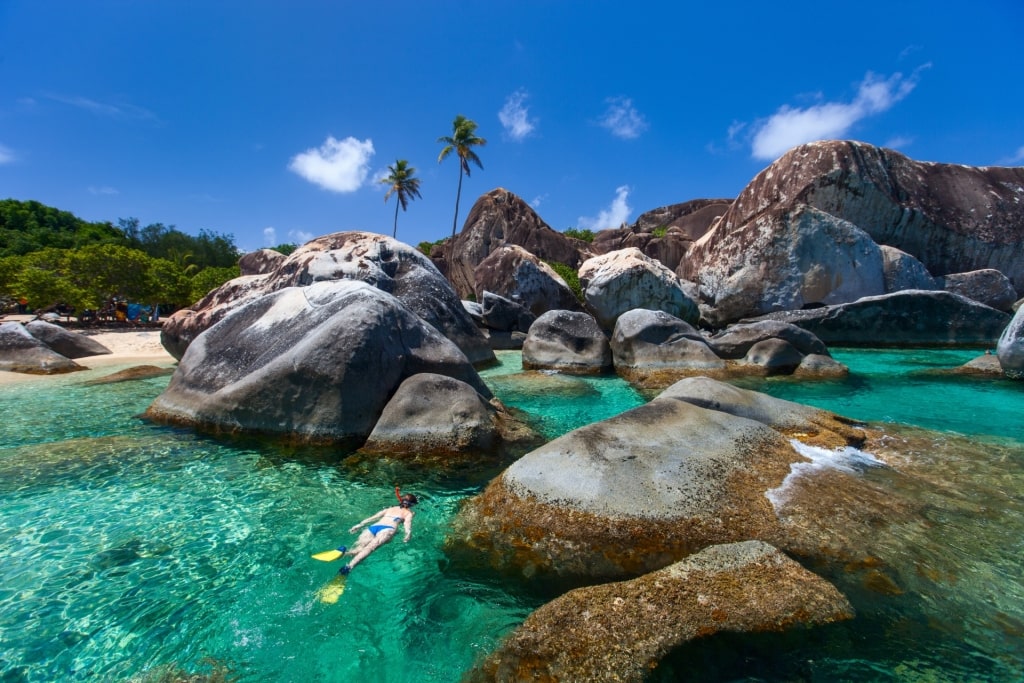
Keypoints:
pixel 646 344
pixel 22 352
pixel 624 280
pixel 774 357
pixel 736 340
pixel 567 341
pixel 621 631
pixel 513 272
pixel 903 271
pixel 504 315
pixel 312 364
pixel 907 318
pixel 1010 349
pixel 67 344
pixel 987 286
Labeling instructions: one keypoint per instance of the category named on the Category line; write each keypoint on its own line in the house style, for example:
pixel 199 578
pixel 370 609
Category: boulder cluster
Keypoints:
pixel 42 348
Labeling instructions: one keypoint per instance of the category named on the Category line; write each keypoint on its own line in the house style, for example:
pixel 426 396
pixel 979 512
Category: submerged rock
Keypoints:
pixel 314 363
pixel 22 352
pixel 621 631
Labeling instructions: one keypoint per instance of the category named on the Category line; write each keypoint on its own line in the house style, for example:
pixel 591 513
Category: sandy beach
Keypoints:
pixel 135 346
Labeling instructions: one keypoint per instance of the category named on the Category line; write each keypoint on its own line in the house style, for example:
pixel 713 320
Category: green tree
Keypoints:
pixel 209 279
pixel 286 248
pixel 31 226
pixel 403 185
pixel 462 141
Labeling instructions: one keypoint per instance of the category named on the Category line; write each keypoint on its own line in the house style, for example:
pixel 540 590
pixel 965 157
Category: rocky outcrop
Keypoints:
pixel 67 344
pixel 625 280
pixel 952 218
pixel 653 348
pixel 1010 349
pixel 504 315
pixel 500 218
pixel 516 274
pixel 22 352
pixel 736 340
pixel 130 375
pixel 664 233
pixel 621 631
pixel 567 341
pixel 908 318
pixel 987 286
pixel 387 264
pixel 903 271
pixel 641 490
pixel 434 415
pixel 311 364
pixel 260 262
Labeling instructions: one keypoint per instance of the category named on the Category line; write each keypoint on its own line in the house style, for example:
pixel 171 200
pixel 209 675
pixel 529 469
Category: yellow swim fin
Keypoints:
pixel 331 555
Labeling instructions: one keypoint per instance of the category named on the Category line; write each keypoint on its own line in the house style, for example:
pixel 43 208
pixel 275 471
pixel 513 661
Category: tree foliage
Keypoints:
pixel 403 185
pixel 584 234
pixel 571 277
pixel 30 226
pixel 462 141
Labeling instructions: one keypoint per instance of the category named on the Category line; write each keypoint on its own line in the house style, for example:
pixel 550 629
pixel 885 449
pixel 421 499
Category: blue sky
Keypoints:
pixel 272 121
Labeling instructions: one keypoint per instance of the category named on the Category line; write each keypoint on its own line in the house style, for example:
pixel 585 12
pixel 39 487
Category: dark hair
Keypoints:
pixel 410 498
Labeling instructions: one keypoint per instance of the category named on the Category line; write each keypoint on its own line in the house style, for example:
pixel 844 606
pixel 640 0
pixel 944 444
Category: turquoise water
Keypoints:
pixel 139 552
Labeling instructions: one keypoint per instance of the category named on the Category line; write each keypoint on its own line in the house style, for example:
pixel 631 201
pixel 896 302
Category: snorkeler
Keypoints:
pixel 376 535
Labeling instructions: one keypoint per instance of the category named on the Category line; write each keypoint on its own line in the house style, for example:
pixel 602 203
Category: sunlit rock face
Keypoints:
pixel 315 363
pixel 567 341
pixel 67 344
pixel 22 352
pixel 385 263
pixel 514 273
pixel 621 631
pixel 1010 349
pixel 951 218
pixel 623 280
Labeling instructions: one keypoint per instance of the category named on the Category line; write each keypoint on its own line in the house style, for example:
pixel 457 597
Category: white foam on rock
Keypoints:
pixel 848 459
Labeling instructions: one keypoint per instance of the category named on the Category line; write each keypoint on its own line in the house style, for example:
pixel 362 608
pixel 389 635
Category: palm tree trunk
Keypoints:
pixel 394 233
pixel 458 194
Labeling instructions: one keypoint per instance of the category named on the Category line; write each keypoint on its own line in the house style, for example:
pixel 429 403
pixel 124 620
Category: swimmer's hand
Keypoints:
pixel 354 529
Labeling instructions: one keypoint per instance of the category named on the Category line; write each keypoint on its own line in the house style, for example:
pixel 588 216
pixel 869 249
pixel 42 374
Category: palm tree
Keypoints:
pixel 403 186
pixel 462 142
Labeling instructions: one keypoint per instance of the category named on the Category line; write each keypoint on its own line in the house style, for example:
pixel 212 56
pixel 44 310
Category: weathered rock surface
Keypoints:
pixel 621 631
pixel 907 318
pixel 641 490
pixel 952 218
pixel 903 271
pixel 652 347
pixel 433 415
pixel 681 224
pixel 516 274
pixel 67 344
pixel 1010 349
pixel 504 315
pixel 260 262
pixel 385 263
pixel 315 363
pixel 500 218
pixel 774 357
pixel 986 286
pixel 567 341
pixel 736 340
pixel 783 260
pixel 21 352
pixel 131 374
pixel 623 280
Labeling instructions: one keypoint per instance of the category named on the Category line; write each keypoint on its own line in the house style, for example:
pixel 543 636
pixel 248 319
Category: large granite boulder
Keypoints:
pixel 621 631
pixel 504 315
pixel 987 286
pixel 664 233
pixel 260 262
pixel 567 341
pixel 1010 349
pixel 646 488
pixel 515 273
pixel 67 344
pixel 784 260
pixel 22 352
pixel 434 415
pixel 736 340
pixel 385 263
pixel 500 218
pixel 654 347
pixel 627 279
pixel 311 364
pixel 903 271
pixel 952 218
pixel 907 318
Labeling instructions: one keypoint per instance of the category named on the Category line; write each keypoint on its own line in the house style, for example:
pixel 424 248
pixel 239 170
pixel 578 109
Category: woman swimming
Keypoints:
pixel 378 534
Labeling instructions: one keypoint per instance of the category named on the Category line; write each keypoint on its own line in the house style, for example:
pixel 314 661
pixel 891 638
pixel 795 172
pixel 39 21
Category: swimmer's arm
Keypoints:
pixel 367 521
pixel 408 527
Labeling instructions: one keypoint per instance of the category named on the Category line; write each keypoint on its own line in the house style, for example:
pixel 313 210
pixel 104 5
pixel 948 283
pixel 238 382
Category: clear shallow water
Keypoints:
pixel 135 551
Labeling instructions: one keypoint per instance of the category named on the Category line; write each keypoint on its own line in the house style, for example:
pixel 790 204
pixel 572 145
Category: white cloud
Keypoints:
pixel 269 237
pixel 102 190
pixel 622 118
pixel 898 142
pixel 1018 157
pixel 612 217
pixel 120 110
pixel 792 126
pixel 337 165
pixel 514 116
pixel 6 155
pixel 300 237
pixel 538 200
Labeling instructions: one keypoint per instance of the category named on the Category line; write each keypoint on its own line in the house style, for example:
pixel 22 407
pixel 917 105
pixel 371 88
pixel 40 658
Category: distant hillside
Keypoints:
pixel 30 226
